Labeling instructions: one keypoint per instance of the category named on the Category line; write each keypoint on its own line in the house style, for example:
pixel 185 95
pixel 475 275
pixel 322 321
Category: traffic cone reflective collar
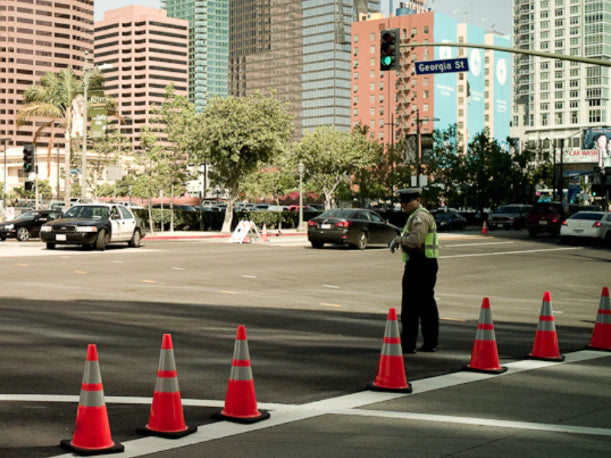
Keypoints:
pixel 601 335
pixel 484 228
pixel 91 429
pixel 545 346
pixel 391 369
pixel 485 355
pixel 167 417
pixel 241 399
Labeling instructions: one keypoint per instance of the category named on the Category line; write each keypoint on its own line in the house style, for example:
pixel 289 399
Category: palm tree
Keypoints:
pixel 52 100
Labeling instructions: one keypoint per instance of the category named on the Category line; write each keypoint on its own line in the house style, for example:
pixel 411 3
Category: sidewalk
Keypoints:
pixel 191 235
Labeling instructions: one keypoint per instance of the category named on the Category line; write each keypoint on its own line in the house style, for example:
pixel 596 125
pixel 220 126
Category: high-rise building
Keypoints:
pixel 556 99
pixel 146 51
pixel 37 37
pixel 208 46
pixel 392 103
pixel 300 50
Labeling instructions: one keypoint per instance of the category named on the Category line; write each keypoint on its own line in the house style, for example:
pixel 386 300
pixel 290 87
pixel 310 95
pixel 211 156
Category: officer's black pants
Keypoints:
pixel 418 302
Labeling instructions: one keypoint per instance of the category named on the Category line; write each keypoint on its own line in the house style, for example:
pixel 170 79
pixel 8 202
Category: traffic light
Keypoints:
pixel 28 158
pixel 29 185
pixel 390 52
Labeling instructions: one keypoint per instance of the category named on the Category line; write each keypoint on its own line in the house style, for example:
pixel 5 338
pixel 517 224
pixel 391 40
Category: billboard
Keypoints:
pixel 502 88
pixel 597 146
pixel 475 83
pixel 444 31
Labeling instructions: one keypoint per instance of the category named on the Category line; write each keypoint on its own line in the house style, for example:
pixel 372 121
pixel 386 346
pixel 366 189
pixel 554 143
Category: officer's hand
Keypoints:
pixel 395 243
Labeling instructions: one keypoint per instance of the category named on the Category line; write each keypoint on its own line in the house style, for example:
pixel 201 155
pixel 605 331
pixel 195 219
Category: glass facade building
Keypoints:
pixel 301 50
pixel 208 46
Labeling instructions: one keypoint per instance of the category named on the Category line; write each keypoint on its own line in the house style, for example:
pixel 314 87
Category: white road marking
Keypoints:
pixel 178 268
pixel 249 276
pixel 350 404
pixel 328 304
pixel 476 244
pixel 501 253
pixel 118 262
pixel 330 286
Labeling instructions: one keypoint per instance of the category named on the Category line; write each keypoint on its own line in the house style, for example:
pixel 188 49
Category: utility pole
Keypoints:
pixel 561 180
pixel 419 153
pixel 86 70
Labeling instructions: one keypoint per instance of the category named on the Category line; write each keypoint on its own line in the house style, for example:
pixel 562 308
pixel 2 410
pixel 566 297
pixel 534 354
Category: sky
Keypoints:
pixel 495 14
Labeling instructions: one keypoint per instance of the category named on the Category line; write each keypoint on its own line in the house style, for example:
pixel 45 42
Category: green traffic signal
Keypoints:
pixel 386 60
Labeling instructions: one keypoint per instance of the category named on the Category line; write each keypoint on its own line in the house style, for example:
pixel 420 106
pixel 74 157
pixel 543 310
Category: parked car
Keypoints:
pixel 357 227
pixel 306 208
pixel 94 225
pixel 587 224
pixel 509 216
pixel 448 220
pixel 27 225
pixel 548 217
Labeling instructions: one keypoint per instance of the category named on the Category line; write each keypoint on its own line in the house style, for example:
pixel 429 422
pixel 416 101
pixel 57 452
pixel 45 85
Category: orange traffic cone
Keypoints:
pixel 264 234
pixel 484 228
pixel 241 400
pixel 167 418
pixel 601 335
pixel 391 370
pixel 485 355
pixel 91 429
pixel 546 339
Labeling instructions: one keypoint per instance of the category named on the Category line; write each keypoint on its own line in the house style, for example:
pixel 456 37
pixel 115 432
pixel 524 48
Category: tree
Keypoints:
pixel 332 157
pixel 108 150
pixel 273 180
pixel 237 135
pixel 177 119
pixel 52 101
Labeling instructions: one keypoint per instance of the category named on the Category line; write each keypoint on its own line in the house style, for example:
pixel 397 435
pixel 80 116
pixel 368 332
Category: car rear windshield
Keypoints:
pixel 547 208
pixel 338 213
pixel 588 216
pixel 508 209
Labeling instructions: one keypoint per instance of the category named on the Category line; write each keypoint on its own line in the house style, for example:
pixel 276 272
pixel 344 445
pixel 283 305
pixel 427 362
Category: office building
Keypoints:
pixel 300 50
pixel 37 37
pixel 555 99
pixel 208 46
pixel 146 51
pixel 392 103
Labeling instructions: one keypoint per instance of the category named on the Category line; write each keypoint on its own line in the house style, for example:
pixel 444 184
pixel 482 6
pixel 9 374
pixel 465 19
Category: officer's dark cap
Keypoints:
pixel 409 194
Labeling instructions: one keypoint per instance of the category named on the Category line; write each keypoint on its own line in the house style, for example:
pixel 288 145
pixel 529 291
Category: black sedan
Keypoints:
pixel 94 225
pixel 27 225
pixel 357 227
pixel 448 220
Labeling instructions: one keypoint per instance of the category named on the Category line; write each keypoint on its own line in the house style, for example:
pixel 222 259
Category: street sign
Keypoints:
pixel 442 66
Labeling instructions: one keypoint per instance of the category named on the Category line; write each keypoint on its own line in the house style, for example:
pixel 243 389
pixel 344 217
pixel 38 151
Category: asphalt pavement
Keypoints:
pixel 315 321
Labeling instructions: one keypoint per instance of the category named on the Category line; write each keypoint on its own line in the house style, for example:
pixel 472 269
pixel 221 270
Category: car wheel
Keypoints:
pixel 135 241
pixel 50 246
pixel 2 239
pixel 100 242
pixel 23 234
pixel 317 245
pixel 362 241
pixel 532 233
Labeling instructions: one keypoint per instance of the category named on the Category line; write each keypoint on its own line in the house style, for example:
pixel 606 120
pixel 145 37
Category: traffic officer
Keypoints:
pixel 420 248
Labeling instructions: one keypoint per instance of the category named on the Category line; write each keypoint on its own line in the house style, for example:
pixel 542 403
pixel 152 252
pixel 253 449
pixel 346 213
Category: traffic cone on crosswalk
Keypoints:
pixel 264 234
pixel 484 228
pixel 241 400
pixel 91 429
pixel 545 346
pixel 485 355
pixel 167 418
pixel 601 335
pixel 391 369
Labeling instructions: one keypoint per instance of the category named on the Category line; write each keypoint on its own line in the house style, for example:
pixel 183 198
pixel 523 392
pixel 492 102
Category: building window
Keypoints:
pixel 426 29
pixel 372 36
pixel 372 49
pixel 356 75
pixel 574 117
pixel 356 38
pixel 425 107
pixel 544 119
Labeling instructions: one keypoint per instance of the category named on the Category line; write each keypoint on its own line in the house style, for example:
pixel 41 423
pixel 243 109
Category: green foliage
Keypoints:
pixel 332 157
pixel 236 136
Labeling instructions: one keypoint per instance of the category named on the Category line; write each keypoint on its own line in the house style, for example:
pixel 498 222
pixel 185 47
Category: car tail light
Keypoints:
pixel 597 224
pixel 564 223
pixel 555 220
pixel 312 223
pixel 344 224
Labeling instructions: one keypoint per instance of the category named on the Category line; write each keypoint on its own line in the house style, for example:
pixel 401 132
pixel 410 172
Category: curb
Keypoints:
pixel 213 236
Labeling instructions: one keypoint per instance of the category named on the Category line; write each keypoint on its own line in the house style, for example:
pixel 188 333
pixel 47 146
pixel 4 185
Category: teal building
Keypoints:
pixel 208 46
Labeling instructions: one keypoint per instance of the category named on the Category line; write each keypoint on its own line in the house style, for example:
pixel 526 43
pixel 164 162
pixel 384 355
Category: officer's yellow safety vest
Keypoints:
pixel 431 241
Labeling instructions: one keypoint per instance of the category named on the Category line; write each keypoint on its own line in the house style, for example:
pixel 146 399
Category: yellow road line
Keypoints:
pixel 24 265
pixel 328 304
pixel 80 272
pixel 230 292
pixel 148 281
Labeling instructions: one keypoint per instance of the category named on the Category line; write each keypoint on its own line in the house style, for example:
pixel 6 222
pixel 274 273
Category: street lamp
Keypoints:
pixel 87 70
pixel 301 169
pixel 5 189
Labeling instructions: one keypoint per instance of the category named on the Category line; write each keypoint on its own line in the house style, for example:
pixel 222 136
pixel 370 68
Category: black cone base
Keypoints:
pixel 373 387
pixel 169 435
pixel 500 370
pixel 115 448
pixel 263 415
